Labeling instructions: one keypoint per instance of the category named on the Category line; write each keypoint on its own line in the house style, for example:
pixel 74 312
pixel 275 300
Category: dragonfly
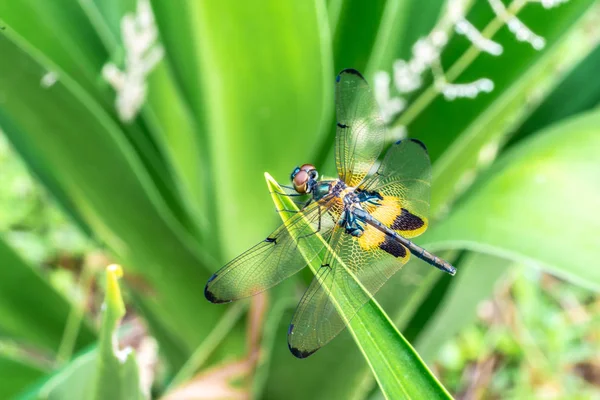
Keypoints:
pixel 358 226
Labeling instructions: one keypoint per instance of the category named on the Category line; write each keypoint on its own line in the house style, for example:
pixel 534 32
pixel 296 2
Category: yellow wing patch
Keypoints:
pixel 371 238
pixel 385 213
pixel 391 213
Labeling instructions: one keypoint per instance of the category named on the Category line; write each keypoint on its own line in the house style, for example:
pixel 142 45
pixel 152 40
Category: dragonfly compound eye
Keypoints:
pixel 300 180
pixel 307 167
pixel 294 172
pixel 311 170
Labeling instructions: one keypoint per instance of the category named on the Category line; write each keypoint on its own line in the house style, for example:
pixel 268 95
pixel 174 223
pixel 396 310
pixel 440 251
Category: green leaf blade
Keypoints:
pixel 16 374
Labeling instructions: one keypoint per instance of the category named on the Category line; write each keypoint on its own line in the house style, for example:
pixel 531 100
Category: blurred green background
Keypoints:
pixel 159 168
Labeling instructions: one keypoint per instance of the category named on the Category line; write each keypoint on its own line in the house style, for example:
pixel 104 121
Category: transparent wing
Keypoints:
pixel 404 181
pixel 352 272
pixel 360 129
pixel 274 259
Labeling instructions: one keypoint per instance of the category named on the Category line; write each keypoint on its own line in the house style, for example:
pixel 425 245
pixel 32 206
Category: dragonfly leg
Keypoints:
pixel 288 194
pixel 303 204
pixel 287 187
pixel 288 211
pixel 318 227
pixel 354 226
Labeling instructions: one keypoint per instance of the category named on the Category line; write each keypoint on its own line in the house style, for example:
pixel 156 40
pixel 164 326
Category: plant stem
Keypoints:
pixel 205 349
pixel 67 343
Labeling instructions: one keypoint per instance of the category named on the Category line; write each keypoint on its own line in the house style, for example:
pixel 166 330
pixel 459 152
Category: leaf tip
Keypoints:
pixel 268 177
pixel 115 270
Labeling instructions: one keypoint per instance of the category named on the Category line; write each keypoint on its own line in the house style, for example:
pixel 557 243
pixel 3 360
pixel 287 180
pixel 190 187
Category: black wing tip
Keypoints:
pixel 350 71
pixel 417 141
pixel 300 353
pixel 210 296
pixel 295 351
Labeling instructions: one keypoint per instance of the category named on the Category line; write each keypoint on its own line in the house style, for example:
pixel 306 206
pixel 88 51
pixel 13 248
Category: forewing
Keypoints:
pixel 352 272
pixel 274 259
pixel 404 181
pixel 360 129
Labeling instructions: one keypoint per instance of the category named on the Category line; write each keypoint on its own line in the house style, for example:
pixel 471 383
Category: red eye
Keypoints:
pixel 300 181
pixel 307 167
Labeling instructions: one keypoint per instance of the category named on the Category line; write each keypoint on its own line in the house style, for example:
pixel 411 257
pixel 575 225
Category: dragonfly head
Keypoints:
pixel 304 178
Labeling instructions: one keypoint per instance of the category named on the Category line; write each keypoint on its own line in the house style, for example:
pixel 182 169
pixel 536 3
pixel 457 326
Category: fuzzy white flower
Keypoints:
pixel 388 106
pixel 552 3
pixel 464 27
pixel 516 26
pixel 524 34
pixel 142 53
pixel 470 90
pixel 49 79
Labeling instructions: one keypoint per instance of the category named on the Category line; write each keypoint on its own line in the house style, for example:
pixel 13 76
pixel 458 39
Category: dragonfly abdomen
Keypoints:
pixel 426 256
pixel 417 251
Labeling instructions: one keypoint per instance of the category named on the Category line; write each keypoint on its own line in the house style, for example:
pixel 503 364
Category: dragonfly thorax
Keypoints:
pixel 354 199
pixel 321 190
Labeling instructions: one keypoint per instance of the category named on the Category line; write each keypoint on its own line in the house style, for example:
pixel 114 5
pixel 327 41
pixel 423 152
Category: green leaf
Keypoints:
pixel 397 367
pixel 31 311
pixel 352 47
pixel 580 87
pixel 61 32
pixel 537 205
pixel 72 382
pixel 17 374
pixel 265 74
pixel 117 375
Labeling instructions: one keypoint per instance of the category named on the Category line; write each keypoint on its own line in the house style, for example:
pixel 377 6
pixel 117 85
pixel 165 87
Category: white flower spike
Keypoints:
pixel 142 54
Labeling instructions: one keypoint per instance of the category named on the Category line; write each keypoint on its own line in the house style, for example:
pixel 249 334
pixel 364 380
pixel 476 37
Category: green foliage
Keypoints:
pixel 107 371
pixel 73 381
pixel 32 311
pixel 22 373
pixel 536 335
pixel 177 191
